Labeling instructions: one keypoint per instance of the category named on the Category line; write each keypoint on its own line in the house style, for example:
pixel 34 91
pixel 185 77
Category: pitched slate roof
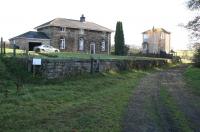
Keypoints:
pixel 62 22
pixel 156 30
pixel 33 34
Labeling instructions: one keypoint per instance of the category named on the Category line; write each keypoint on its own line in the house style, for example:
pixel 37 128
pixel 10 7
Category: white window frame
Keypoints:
pixel 62 29
pixel 62 43
pixel 145 37
pixel 103 45
pixel 81 44
pixel 81 31
pixel 162 36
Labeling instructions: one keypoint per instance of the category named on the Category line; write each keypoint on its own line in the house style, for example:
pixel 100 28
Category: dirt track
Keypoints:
pixel 146 112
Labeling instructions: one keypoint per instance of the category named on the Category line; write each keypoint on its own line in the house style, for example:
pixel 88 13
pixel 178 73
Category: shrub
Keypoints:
pixel 126 49
pixel 197 58
pixel 18 71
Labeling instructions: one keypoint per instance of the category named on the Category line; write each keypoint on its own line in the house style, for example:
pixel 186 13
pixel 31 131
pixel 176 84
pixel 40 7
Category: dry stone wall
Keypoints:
pixel 62 68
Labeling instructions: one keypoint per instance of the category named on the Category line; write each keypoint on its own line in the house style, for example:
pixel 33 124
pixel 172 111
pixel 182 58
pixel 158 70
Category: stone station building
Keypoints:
pixel 68 35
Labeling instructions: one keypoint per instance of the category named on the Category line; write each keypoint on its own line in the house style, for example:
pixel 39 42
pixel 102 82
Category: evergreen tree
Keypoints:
pixel 119 39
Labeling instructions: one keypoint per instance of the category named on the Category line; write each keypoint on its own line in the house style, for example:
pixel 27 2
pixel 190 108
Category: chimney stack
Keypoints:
pixel 82 18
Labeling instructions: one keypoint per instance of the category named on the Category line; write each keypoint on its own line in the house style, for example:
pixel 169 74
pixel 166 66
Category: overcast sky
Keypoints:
pixel 19 16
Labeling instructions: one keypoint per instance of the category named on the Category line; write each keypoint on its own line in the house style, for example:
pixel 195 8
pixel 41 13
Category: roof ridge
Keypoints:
pixel 157 29
pixel 45 23
pixel 67 19
pixel 71 23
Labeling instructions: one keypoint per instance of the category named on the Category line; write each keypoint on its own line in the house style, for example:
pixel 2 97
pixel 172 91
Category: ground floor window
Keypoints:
pixel 103 45
pixel 81 44
pixel 62 43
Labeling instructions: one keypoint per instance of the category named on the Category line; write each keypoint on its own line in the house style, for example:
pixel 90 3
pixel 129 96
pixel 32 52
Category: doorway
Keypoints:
pixel 33 44
pixel 92 48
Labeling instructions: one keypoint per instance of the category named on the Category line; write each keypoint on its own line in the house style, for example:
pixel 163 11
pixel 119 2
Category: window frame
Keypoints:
pixel 162 35
pixel 103 45
pixel 81 44
pixel 81 31
pixel 62 43
pixel 145 37
pixel 62 29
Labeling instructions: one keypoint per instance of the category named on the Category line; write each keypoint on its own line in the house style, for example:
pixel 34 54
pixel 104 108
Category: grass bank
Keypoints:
pixel 75 55
pixel 192 76
pixel 85 103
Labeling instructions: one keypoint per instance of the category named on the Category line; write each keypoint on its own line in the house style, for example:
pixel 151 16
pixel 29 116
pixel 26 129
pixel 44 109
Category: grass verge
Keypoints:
pixel 192 76
pixel 85 103
pixel 75 55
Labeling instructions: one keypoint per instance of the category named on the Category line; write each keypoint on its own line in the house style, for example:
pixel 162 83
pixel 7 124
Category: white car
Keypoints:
pixel 45 48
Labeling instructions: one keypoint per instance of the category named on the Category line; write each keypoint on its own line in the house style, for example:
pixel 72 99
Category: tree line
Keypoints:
pixel 194 27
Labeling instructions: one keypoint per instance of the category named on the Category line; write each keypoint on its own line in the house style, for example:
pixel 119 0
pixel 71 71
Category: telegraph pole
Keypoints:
pixel 4 48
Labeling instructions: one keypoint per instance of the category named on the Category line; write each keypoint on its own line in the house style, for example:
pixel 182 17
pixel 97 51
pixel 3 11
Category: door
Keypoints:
pixel 92 48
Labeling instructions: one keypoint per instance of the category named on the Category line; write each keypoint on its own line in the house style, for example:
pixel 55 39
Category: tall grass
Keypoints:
pixel 83 103
pixel 192 76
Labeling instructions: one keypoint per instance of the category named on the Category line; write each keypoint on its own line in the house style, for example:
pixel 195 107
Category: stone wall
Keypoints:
pixel 72 37
pixel 61 68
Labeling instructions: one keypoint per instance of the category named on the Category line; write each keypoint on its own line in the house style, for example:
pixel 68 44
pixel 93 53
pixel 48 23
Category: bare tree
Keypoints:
pixel 194 25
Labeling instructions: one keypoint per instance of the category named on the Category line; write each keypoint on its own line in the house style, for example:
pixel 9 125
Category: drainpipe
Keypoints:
pixel 154 46
pixel 1 45
pixel 108 43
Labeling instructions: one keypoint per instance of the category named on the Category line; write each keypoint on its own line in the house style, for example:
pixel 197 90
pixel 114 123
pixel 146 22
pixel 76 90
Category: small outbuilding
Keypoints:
pixel 29 40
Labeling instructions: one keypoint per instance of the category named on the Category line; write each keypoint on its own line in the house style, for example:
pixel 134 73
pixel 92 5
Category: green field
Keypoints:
pixel 192 76
pixel 84 103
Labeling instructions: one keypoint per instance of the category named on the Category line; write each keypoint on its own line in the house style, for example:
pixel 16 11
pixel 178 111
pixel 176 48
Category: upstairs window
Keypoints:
pixel 81 44
pixel 81 31
pixel 145 38
pixel 103 34
pixel 162 36
pixel 62 29
pixel 103 45
pixel 62 43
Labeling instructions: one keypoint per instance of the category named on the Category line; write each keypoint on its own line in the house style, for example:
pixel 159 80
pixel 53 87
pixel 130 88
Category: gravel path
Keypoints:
pixel 146 113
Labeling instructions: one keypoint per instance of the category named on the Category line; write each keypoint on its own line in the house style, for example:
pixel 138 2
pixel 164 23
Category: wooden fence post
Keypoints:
pixel 91 65
pixel 4 48
pixel 1 45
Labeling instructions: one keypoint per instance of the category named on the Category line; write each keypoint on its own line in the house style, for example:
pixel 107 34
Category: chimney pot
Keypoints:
pixel 82 18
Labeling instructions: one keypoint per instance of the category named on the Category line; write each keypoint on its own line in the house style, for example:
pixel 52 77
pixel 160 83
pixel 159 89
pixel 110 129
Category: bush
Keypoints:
pixel 18 71
pixel 197 58
pixel 126 49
